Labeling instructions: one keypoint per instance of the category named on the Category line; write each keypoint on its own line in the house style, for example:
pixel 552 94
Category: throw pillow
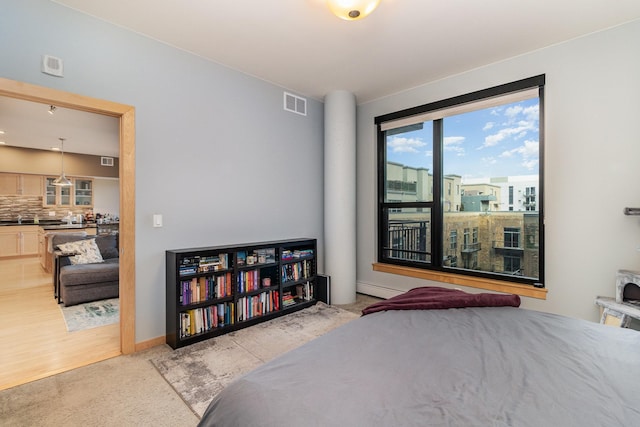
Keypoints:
pixel 108 245
pixel 87 251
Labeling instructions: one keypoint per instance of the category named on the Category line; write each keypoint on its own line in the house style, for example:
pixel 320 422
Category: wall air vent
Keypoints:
pixel 106 161
pixel 295 104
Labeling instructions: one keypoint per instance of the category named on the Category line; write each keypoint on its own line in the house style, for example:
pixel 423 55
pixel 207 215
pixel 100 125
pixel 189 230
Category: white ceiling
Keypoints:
pixel 301 46
pixel 29 124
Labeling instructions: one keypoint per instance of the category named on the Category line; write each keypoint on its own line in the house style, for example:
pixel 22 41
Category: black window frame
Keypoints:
pixel 436 255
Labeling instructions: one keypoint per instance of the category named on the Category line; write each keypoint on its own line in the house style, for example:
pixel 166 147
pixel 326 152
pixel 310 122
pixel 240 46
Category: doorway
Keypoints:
pixel 126 116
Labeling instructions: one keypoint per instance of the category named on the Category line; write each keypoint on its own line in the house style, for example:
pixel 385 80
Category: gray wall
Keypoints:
pixel 591 170
pixel 216 154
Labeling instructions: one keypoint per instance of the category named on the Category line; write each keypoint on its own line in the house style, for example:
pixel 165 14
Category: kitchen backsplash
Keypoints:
pixel 30 206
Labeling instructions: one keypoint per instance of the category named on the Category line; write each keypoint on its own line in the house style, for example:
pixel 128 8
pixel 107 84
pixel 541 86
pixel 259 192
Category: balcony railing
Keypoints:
pixel 409 240
pixel 472 247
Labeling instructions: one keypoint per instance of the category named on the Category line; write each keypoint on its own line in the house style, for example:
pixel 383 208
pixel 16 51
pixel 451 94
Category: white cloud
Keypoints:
pixel 532 113
pixel 488 126
pixel 516 132
pixel 489 160
pixel 453 143
pixel 448 140
pixel 513 111
pixel 529 151
pixel 405 145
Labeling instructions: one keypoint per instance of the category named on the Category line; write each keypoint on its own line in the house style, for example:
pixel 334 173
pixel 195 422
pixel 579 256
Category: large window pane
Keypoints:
pixel 409 165
pixel 494 152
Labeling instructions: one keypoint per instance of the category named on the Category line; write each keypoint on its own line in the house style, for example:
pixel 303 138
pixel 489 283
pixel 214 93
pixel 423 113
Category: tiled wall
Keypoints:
pixel 29 206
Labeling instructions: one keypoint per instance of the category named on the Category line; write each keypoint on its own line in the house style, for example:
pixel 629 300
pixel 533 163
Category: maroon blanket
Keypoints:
pixel 429 298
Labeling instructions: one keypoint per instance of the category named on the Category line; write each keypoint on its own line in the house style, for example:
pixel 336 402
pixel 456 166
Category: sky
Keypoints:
pixel 497 141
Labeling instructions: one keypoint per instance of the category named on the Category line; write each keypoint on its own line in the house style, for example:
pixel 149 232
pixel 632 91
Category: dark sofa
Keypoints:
pixel 79 283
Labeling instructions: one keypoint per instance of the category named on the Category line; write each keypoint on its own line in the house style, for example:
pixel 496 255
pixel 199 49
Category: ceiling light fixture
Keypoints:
pixel 352 10
pixel 62 180
pixel 52 109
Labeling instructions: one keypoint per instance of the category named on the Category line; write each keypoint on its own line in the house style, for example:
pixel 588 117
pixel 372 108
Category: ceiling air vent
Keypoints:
pixel 295 104
pixel 52 65
pixel 106 161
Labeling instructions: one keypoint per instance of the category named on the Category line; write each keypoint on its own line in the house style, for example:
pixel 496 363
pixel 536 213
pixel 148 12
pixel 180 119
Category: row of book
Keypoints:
pixel 303 292
pixel 257 305
pixel 203 264
pixel 201 320
pixel 213 263
pixel 248 281
pixel 296 271
pixel 288 255
pixel 204 319
pixel 200 289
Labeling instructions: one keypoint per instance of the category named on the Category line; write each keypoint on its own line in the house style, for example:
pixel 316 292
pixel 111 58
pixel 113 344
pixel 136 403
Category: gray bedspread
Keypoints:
pixel 493 366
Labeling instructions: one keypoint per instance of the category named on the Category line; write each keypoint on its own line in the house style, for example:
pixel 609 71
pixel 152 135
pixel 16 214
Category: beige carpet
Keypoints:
pixel 123 391
pixel 199 371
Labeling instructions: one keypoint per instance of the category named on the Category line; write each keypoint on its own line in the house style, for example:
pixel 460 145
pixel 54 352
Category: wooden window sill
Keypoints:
pixel 462 280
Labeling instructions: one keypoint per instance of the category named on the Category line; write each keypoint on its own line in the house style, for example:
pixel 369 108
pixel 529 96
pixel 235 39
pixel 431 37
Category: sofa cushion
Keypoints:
pixel 87 250
pixel 60 238
pixel 83 274
pixel 108 245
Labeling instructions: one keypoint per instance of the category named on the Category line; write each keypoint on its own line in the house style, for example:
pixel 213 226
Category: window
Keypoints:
pixel 511 237
pixel 470 163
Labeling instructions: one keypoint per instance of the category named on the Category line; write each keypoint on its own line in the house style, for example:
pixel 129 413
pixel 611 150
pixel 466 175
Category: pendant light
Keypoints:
pixel 352 10
pixel 62 180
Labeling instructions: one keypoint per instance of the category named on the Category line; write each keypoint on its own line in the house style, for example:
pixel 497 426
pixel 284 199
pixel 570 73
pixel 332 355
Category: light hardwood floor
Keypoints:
pixel 34 342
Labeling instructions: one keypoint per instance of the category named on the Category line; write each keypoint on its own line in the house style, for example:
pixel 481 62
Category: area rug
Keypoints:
pixel 200 371
pixel 91 314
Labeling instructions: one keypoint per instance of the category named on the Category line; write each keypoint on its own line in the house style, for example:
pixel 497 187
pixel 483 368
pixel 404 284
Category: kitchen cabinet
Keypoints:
pixel 18 240
pixel 55 195
pixel 83 192
pixel 12 184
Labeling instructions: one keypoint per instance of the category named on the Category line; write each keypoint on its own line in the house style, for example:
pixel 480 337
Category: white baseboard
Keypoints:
pixel 377 290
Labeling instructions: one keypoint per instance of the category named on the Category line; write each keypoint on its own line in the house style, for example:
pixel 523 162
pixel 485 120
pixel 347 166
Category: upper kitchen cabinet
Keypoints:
pixel 83 190
pixel 55 195
pixel 12 184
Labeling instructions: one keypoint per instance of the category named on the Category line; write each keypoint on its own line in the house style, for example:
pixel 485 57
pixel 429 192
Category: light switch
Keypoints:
pixel 157 220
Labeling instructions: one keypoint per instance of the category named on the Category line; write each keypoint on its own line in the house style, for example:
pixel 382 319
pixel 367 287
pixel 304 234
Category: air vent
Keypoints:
pixel 52 65
pixel 295 104
pixel 106 161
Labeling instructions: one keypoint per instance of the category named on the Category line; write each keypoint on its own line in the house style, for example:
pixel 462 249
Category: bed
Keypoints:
pixel 483 364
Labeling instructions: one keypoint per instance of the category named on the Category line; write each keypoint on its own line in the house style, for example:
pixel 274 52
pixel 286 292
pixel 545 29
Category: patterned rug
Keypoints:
pixel 199 371
pixel 91 314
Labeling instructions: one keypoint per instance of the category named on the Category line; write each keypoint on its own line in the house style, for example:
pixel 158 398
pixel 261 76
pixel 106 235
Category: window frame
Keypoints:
pixel 436 206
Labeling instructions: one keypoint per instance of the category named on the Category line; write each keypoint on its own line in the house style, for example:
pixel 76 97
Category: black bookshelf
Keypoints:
pixel 215 290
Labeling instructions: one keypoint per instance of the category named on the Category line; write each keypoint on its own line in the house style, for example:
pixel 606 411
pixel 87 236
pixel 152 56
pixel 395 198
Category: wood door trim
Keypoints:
pixel 126 115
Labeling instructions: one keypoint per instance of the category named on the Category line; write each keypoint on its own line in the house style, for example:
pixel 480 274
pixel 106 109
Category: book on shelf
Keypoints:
pixel 241 258
pixel 296 271
pixel 288 255
pixel 288 299
pixel 205 288
pixel 213 263
pixel 200 320
pixel 248 281
pixel 249 307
